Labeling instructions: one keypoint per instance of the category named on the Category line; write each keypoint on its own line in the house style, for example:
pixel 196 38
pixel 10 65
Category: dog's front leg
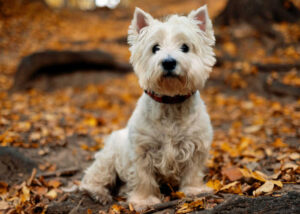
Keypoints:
pixel 146 190
pixel 192 181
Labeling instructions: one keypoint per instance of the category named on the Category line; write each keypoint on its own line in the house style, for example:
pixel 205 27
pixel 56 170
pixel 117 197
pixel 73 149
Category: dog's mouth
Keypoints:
pixel 167 74
pixel 172 82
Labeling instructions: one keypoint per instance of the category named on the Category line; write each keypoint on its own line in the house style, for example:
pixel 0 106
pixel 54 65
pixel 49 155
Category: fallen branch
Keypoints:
pixel 51 63
pixel 277 87
pixel 268 67
pixel 276 66
pixel 58 173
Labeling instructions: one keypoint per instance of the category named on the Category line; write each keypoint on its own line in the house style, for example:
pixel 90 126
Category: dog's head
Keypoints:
pixel 175 56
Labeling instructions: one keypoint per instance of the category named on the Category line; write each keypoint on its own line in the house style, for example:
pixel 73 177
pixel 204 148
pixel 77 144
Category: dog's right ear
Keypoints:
pixel 140 20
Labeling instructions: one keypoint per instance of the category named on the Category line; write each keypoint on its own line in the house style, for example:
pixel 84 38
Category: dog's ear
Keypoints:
pixel 140 20
pixel 201 16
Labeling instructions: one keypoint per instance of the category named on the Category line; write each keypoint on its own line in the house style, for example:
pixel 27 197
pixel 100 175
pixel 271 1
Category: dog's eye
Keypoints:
pixel 185 48
pixel 155 48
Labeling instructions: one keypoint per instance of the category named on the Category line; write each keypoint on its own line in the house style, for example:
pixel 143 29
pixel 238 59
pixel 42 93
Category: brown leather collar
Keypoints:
pixel 168 99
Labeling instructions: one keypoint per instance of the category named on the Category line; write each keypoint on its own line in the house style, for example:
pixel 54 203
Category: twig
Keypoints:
pixel 58 173
pixel 33 174
pixel 75 209
pixel 63 198
pixel 165 205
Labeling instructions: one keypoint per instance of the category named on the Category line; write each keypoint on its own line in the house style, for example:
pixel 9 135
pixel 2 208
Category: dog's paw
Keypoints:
pixel 103 198
pixel 192 190
pixel 101 195
pixel 141 204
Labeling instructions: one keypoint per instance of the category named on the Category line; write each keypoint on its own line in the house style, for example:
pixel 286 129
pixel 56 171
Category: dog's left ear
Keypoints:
pixel 140 20
pixel 201 16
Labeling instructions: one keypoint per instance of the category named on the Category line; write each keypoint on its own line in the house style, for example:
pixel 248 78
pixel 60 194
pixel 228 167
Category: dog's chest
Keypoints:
pixel 175 146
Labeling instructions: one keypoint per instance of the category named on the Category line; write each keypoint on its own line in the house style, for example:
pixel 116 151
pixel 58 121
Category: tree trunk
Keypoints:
pixel 259 13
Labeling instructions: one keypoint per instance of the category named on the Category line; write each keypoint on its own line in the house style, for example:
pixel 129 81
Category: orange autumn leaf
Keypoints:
pixel 178 195
pixel 3 187
pixel 25 196
pixel 91 121
pixel 232 173
pixel 214 184
pixel 54 183
pixel 189 207
pixel 234 187
pixel 279 143
pixel 116 209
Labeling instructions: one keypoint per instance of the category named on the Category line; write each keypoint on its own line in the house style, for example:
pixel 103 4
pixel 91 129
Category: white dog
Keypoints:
pixel 168 136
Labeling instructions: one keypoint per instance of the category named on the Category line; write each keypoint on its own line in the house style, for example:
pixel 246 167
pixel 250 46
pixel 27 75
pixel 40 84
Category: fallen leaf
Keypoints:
pixel 3 187
pixel 294 156
pixel 4 205
pixel 259 176
pixel 252 129
pixel 277 183
pixel 232 173
pixel 214 184
pixel 234 187
pixel 115 209
pixel 178 195
pixel 41 190
pixel 289 165
pixel 279 143
pixel 189 207
pixel 25 196
pixel 52 194
pixel 267 187
pixel 54 183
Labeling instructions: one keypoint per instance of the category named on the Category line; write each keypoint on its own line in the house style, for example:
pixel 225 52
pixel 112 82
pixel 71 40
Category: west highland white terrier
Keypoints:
pixel 168 136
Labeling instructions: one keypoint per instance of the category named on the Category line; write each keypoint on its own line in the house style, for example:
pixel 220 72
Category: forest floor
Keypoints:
pixel 49 134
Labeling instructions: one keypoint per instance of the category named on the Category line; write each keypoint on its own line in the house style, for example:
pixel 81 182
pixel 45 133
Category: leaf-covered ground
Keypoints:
pixel 48 138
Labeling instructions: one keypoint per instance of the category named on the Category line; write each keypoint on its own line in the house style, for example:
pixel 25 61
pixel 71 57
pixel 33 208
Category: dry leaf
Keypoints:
pixel 232 173
pixel 294 156
pixel 52 194
pixel 178 195
pixel 189 207
pixel 289 165
pixel 252 129
pixel 277 183
pixel 267 187
pixel 259 176
pixel 115 209
pixel 3 187
pixel 54 183
pixel 25 196
pixel 4 205
pixel 279 143
pixel 234 187
pixel 214 184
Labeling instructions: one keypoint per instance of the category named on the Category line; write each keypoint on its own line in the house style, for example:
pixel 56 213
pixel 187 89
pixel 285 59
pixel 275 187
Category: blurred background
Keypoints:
pixel 66 82
pixel 248 33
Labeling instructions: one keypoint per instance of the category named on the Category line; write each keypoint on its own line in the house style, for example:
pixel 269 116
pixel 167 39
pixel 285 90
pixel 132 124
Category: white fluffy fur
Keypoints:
pixel 162 142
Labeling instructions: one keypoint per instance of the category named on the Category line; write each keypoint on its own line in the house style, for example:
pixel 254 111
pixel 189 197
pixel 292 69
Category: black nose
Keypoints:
pixel 169 64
